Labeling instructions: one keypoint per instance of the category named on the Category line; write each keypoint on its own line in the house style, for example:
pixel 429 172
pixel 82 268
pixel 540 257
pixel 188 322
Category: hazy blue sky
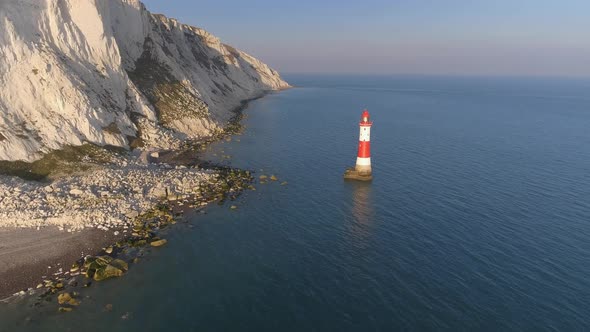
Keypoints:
pixel 500 37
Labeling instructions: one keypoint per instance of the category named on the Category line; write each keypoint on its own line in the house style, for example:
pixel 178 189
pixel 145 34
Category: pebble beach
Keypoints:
pixel 47 225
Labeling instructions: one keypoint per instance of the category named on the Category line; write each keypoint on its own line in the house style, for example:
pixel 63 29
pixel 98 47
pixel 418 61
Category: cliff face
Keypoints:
pixel 109 72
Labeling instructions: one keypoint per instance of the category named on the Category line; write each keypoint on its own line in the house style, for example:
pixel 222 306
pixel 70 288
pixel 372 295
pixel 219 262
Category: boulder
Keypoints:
pixel 158 243
pixel 76 192
pixel 104 267
pixel 74 302
pixel 120 264
pixel 132 214
pixel 64 298
pixel 107 272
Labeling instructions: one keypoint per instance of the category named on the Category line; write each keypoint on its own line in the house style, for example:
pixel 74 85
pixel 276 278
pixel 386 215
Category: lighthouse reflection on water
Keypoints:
pixel 362 213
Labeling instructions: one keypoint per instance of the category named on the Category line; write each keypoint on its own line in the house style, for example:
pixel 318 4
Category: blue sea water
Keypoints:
pixel 478 218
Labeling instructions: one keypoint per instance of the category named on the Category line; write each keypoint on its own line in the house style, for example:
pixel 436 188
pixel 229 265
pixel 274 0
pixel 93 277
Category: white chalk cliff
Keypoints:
pixel 109 72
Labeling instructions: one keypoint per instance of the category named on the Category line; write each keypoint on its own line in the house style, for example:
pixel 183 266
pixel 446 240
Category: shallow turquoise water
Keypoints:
pixel 478 218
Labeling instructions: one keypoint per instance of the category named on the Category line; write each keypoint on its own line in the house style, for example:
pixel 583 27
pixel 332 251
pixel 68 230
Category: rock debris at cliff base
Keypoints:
pixel 109 198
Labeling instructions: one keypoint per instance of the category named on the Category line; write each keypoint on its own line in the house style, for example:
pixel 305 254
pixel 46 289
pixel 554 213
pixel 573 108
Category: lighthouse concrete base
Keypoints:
pixel 353 174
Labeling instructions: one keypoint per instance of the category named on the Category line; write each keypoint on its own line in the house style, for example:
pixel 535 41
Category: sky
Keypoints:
pixel 426 37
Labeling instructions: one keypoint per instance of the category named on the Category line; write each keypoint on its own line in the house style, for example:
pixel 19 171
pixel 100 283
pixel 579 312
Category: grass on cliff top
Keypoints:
pixel 69 160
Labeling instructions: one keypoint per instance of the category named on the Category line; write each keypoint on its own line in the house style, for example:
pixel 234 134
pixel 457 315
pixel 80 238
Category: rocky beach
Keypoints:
pixel 52 223
pixel 45 226
pixel 103 199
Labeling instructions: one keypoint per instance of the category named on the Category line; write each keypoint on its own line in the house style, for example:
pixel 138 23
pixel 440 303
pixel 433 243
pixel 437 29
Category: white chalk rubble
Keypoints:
pixel 108 198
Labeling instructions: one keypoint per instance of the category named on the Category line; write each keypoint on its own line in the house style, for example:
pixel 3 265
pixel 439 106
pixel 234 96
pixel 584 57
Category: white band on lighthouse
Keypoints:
pixel 363 161
pixel 365 134
pixel 363 165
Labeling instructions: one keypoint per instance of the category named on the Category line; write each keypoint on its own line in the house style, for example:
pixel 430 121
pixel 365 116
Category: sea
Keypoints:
pixel 477 218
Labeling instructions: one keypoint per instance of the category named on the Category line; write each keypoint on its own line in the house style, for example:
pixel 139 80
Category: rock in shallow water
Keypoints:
pixel 64 298
pixel 104 267
pixel 107 272
pixel 158 243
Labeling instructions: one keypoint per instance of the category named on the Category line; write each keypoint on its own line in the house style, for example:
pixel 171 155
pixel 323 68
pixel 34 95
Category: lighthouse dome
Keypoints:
pixel 365 117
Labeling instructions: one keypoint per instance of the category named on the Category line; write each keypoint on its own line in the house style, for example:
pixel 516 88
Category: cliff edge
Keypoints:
pixel 109 72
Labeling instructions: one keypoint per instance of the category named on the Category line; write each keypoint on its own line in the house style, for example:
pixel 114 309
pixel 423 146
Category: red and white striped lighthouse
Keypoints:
pixel 363 159
pixel 362 170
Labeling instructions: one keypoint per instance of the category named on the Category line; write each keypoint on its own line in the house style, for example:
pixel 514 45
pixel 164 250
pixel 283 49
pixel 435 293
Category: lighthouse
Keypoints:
pixel 362 170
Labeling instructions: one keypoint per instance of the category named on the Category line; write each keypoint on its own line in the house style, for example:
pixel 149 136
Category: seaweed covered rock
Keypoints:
pixel 67 301
pixel 104 267
pixel 64 298
pixel 158 243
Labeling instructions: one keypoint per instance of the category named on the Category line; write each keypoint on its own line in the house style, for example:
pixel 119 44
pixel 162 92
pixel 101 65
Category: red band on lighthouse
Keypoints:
pixel 364 150
pixel 363 160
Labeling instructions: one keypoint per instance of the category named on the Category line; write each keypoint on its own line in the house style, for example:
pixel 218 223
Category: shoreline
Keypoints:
pixel 43 256
pixel 23 265
pixel 81 221
pixel 35 248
